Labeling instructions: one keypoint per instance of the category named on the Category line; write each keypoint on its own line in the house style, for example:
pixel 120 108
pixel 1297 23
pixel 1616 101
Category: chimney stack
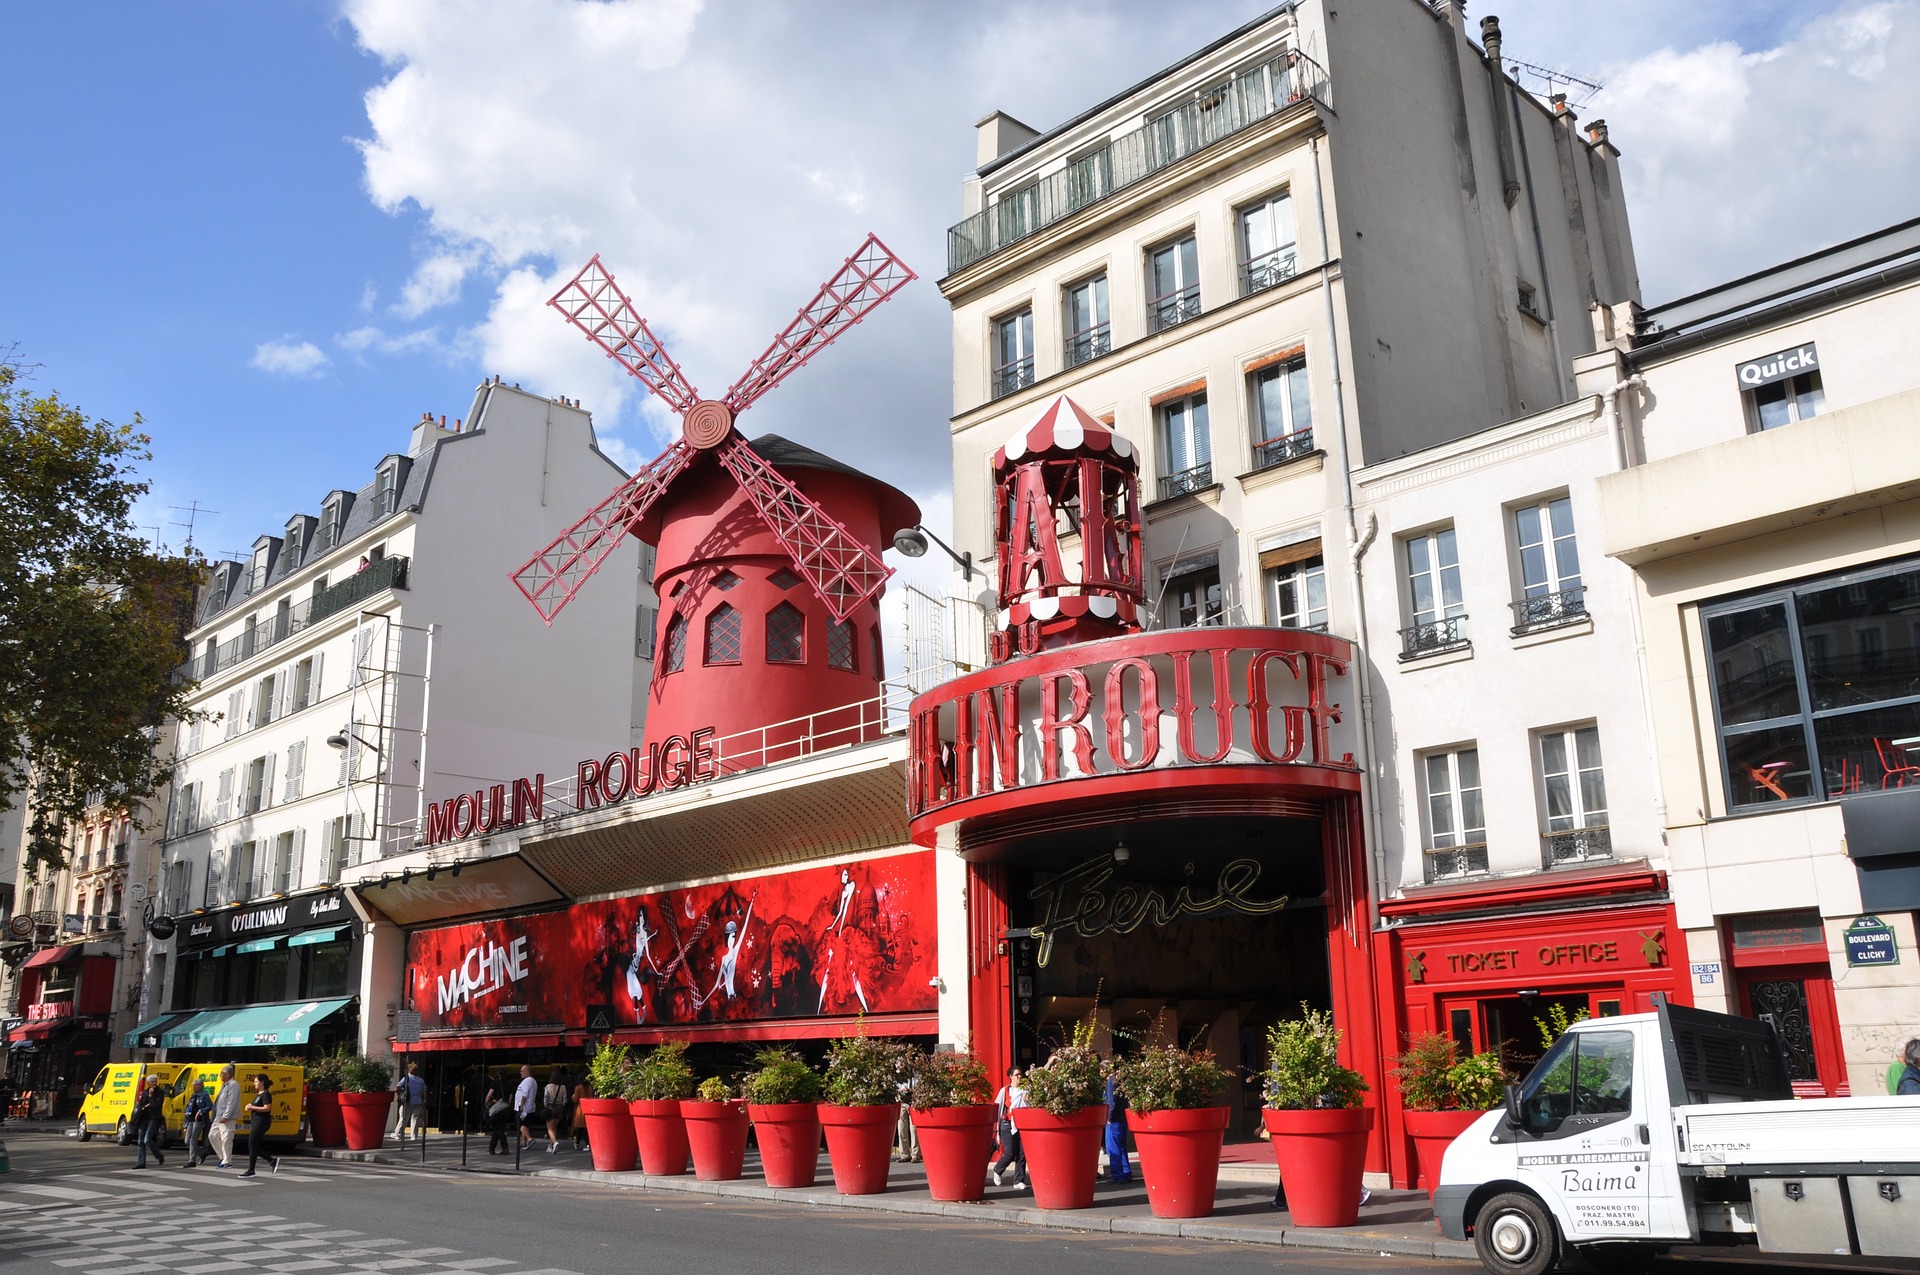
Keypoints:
pixel 1597 132
pixel 1490 38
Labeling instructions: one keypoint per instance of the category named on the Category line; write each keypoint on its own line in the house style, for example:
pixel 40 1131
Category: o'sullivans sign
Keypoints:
pixel 1138 706
pixel 673 762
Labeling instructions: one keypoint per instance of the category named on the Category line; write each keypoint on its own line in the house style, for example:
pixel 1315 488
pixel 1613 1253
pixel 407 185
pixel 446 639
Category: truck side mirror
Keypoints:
pixel 1513 1106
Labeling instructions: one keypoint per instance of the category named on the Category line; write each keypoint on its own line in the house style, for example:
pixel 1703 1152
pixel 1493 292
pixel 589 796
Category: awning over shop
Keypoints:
pixel 54 956
pixel 307 938
pixel 40 1028
pixel 153 1029
pixel 260 945
pixel 251 1027
pixel 221 951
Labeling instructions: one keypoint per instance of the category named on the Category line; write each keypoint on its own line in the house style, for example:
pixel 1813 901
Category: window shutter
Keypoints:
pixel 266 781
pixel 234 707
pixel 183 892
pixel 285 683
pixel 1287 555
pixel 193 737
pixel 296 770
pixel 299 857
pixel 216 872
pixel 346 762
pixel 232 862
pixel 223 798
pixel 313 685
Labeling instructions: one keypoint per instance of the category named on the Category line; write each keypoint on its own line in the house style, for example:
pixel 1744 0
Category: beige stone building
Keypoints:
pixel 1771 514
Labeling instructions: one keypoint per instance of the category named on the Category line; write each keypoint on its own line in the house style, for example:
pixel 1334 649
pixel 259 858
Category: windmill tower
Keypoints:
pixel 767 557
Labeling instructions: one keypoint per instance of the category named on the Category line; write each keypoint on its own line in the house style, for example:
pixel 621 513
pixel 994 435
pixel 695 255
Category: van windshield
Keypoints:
pixel 1587 1074
pixel 100 1081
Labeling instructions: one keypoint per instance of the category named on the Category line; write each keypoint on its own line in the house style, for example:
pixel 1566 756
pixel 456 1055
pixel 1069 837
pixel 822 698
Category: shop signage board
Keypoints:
pixel 406 1026
pixel 258 920
pixel 854 938
pixel 1870 941
pixel 1781 365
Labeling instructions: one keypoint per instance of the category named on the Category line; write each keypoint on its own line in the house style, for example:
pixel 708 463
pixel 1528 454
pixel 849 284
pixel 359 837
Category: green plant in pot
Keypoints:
pixel 1314 1113
pixel 714 1089
pixel 610 1132
pixel 716 1130
pixel 953 1120
pixel 1061 1127
pixel 779 1077
pixel 783 1094
pixel 323 1073
pixel 1178 1124
pixel 324 1122
pixel 661 1075
pixel 1443 1094
pixel 366 1093
pixel 951 1078
pixel 607 1072
pixel 864 1080
pixel 655 1085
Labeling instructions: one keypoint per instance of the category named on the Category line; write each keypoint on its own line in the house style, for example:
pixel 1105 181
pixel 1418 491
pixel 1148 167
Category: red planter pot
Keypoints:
pixel 324 1124
pixel 1432 1132
pixel 1180 1158
pixel 1063 1154
pixel 956 1143
pixel 717 1136
pixel 364 1116
pixel 789 1136
pixel 860 1145
pixel 610 1134
pixel 1322 1157
pixel 661 1135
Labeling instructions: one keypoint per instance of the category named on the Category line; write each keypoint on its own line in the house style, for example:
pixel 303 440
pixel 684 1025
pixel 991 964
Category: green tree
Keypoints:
pixel 91 618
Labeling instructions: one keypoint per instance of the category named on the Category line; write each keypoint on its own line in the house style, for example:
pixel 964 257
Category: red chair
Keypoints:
pixel 1894 761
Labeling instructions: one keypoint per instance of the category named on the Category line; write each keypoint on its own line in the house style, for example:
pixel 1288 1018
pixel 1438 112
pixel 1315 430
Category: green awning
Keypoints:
pixel 306 938
pixel 253 1027
pixel 260 945
pixel 221 951
pixel 154 1028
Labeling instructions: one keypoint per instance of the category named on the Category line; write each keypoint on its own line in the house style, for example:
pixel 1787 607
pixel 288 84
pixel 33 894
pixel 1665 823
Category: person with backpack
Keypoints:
pixel 196 1122
pixel 411 1098
pixel 553 1101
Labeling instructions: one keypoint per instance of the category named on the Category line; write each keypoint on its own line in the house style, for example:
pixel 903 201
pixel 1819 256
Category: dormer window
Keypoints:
pixel 299 527
pixel 388 480
pixel 333 519
pixel 261 564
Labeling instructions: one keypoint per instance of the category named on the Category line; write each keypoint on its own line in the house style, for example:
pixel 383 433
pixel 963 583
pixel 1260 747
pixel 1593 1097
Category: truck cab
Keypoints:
pixel 1678 1127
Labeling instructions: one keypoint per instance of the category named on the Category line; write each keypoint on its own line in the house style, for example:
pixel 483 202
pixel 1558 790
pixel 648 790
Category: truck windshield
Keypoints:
pixel 1585 1074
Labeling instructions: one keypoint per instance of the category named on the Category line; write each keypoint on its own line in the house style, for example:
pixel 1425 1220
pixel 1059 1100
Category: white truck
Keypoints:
pixel 1653 1131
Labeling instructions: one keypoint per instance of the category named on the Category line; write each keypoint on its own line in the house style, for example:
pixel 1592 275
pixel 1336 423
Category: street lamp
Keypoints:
pixel 912 543
pixel 339 740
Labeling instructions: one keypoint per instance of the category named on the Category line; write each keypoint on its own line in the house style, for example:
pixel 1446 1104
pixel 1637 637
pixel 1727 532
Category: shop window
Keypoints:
pixel 723 636
pixel 1816 687
pixel 1012 352
pixel 786 635
pixel 326 970
pixel 1186 446
pixel 1456 821
pixel 676 645
pixel 1548 562
pixel 1435 604
pixel 1573 795
pixel 1282 412
pixel 840 645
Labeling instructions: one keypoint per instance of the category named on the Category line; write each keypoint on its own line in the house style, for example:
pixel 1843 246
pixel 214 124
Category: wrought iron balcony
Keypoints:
pixel 388 573
pixel 1185 481
pixel 1282 84
pixel 1268 269
pixel 1083 347
pixel 1013 376
pixel 1447 863
pixel 1433 636
pixel 1175 307
pixel 1549 610
pixel 1278 451
pixel 1577 845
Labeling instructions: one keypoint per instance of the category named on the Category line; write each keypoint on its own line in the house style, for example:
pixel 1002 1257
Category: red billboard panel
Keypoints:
pixel 849 939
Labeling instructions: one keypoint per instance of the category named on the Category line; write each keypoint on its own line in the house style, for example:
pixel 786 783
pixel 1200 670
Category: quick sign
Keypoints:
pixel 1870 941
pixel 1778 366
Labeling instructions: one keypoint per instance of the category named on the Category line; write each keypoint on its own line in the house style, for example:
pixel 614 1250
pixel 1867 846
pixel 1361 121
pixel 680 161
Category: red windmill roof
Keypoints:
pixel 1065 426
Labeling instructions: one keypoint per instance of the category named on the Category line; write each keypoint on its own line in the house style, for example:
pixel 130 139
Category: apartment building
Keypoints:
pixel 1770 518
pixel 368 658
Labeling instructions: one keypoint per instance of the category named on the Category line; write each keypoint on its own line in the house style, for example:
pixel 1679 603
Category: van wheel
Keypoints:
pixel 122 1134
pixel 86 1134
pixel 1513 1234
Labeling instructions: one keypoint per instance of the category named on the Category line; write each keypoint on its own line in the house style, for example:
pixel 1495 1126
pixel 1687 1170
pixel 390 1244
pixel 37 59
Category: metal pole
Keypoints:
pixel 420 794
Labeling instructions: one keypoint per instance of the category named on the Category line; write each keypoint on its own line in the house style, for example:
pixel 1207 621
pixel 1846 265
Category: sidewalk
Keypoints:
pixel 1393 1222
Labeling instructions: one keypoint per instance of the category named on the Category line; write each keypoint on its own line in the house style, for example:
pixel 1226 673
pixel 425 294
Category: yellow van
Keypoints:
pixel 108 1106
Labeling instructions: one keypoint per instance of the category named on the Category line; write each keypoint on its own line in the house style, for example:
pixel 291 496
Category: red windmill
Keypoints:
pixel 722 512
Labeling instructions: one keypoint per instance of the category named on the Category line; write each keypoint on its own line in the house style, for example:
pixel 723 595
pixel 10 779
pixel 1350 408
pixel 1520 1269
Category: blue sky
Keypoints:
pixel 281 231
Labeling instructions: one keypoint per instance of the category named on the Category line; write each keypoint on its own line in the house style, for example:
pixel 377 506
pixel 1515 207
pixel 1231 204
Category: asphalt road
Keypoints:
pixel 73 1209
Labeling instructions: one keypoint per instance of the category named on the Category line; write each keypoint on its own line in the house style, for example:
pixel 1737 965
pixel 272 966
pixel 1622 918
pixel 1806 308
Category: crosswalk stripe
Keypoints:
pixel 127 1183
pixel 53 1192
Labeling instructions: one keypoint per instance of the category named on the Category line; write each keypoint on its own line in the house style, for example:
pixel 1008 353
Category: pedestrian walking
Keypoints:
pixel 259 1115
pixel 226 1114
pixel 909 1137
pixel 499 1119
pixel 581 1092
pixel 1119 1168
pixel 410 1100
pixel 1909 1086
pixel 553 1100
pixel 1012 1097
pixel 150 1122
pixel 526 1101
pixel 196 1119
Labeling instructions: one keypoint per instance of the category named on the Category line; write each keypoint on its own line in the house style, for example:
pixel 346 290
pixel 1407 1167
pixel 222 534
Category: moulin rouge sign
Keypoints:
pixel 1142 702
pixel 674 762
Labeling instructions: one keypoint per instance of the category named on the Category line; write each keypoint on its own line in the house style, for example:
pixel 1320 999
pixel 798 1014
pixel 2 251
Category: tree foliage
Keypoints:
pixel 91 618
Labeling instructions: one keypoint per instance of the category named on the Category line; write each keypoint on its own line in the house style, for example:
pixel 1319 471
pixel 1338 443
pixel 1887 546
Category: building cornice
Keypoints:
pixel 1544 431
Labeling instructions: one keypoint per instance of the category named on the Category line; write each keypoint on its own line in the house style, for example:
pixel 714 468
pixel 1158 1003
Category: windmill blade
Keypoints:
pixel 870 276
pixel 594 303
pixel 844 572
pixel 555 574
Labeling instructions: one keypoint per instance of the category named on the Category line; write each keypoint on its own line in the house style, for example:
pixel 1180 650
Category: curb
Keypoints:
pixel 1379 1243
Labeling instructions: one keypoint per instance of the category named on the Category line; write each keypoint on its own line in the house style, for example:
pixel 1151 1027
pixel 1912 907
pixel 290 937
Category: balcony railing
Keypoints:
pixel 1268 269
pixel 1013 376
pixel 1577 845
pixel 1266 90
pixel 1450 862
pixel 1175 307
pixel 1549 610
pixel 1185 481
pixel 388 573
pixel 1433 636
pixel 1084 347
pixel 1278 451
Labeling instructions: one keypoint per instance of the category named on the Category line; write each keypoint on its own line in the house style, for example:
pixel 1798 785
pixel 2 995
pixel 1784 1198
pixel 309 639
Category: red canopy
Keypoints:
pixel 54 956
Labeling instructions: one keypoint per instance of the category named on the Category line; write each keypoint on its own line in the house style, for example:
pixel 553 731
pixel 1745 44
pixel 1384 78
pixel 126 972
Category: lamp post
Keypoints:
pixel 912 543
pixel 341 740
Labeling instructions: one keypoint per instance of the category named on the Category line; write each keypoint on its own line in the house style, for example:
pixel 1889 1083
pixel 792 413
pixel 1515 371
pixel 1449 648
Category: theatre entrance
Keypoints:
pixel 1200 932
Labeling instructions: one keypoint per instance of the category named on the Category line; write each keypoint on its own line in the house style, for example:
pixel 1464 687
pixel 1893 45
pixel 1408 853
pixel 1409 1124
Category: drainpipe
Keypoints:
pixel 1356 548
pixel 1616 423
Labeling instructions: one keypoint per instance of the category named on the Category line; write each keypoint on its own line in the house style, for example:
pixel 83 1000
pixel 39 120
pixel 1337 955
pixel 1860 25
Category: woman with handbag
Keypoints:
pixel 499 1119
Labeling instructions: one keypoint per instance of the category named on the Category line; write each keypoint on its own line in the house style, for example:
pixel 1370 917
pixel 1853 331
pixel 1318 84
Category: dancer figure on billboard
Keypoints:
pixel 730 958
pixel 839 923
pixel 642 967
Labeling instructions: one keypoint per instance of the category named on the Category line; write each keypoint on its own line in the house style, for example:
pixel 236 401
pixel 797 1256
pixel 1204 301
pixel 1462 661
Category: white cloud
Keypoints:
pixel 435 282
pixel 287 357
pixel 370 338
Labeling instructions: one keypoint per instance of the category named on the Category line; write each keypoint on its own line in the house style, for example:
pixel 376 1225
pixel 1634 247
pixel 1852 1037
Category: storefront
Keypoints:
pixel 279 977
pixel 66 999
pixel 1491 964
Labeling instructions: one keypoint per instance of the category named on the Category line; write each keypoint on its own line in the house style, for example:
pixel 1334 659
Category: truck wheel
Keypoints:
pixel 1514 1235
pixel 86 1134
pixel 122 1134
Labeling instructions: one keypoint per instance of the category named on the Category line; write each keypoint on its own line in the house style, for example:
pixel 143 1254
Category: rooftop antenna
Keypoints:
pixel 193 512
pixel 1553 79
